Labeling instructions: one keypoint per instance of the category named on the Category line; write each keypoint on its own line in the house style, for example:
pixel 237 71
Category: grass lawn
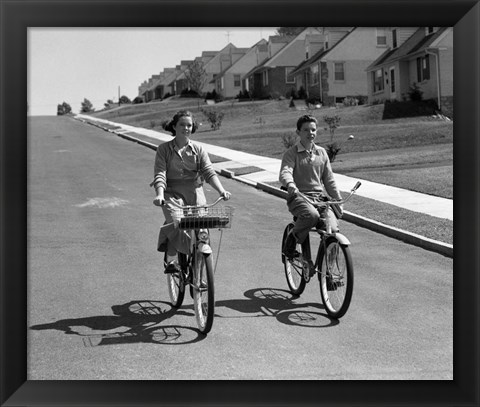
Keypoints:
pixel 411 153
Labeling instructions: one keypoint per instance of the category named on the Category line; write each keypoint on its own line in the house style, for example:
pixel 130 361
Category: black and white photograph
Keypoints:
pixel 242 204
pixel 122 286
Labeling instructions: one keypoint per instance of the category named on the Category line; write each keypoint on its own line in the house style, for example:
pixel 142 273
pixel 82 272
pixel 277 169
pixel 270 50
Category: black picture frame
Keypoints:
pixel 17 16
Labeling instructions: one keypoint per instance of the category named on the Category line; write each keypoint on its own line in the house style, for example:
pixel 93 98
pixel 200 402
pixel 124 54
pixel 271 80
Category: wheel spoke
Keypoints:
pixel 336 278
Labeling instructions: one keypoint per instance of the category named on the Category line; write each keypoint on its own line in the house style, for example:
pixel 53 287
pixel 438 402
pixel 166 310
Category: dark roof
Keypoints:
pixel 416 43
pixel 319 54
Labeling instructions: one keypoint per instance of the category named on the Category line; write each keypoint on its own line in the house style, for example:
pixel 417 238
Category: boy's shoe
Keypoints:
pixel 311 268
pixel 333 285
pixel 172 267
pixel 289 247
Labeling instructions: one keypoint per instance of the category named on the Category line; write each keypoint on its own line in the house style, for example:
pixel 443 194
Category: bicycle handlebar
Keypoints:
pixel 317 204
pixel 220 198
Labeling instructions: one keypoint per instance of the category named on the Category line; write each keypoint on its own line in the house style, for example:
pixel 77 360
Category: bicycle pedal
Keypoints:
pixel 202 287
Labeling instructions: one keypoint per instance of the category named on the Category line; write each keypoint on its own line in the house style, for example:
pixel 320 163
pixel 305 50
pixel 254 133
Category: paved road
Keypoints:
pixel 98 304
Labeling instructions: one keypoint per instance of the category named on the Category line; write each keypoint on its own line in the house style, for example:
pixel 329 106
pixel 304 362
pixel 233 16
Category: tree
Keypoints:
pixel 108 103
pixel 286 31
pixel 64 108
pixel 87 106
pixel 124 100
pixel 196 76
pixel 67 108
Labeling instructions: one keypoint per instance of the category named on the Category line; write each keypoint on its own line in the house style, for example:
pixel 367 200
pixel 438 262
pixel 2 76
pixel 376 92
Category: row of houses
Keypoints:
pixel 326 64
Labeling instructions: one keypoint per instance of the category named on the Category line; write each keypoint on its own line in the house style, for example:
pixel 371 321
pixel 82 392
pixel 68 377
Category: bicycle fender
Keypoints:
pixel 204 248
pixel 342 239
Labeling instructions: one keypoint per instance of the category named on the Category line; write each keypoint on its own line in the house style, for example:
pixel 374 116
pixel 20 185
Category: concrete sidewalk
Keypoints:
pixel 270 167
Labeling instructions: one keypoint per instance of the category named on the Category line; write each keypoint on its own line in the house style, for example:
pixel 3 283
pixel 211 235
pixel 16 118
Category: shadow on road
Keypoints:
pixel 143 321
pixel 133 322
pixel 278 303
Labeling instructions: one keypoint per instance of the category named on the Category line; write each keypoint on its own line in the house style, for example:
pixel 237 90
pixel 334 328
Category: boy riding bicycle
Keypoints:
pixel 306 168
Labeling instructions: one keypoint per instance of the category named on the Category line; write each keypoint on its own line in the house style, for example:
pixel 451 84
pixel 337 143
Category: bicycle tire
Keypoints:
pixel 336 282
pixel 204 297
pixel 293 267
pixel 176 284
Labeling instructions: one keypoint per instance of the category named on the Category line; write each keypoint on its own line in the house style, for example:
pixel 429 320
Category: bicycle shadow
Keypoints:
pixel 134 322
pixel 280 304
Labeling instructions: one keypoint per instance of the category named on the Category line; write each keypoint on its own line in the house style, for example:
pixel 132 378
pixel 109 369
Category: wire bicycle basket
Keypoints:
pixel 203 217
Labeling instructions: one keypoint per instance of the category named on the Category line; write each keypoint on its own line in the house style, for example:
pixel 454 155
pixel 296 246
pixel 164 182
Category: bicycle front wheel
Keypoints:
pixel 176 284
pixel 336 277
pixel 204 292
pixel 294 266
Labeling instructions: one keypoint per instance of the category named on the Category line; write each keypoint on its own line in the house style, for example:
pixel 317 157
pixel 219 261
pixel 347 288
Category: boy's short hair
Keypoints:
pixel 305 119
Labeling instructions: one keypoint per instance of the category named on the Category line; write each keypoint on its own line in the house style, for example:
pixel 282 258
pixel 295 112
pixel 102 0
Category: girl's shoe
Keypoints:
pixel 172 267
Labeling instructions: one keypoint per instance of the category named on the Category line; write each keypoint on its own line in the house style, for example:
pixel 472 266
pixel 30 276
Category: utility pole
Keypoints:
pixel 228 37
pixel 118 95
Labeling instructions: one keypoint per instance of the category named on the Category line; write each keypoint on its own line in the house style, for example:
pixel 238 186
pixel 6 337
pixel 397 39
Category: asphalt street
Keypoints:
pixel 98 303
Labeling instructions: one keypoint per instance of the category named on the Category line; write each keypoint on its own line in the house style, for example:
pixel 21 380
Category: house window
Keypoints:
pixel 289 78
pixel 381 37
pixel 394 39
pixel 429 30
pixel 236 80
pixel 377 80
pixel 314 74
pixel 265 78
pixel 423 68
pixel 339 71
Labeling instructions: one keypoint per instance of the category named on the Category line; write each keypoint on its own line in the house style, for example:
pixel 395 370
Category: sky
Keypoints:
pixel 71 64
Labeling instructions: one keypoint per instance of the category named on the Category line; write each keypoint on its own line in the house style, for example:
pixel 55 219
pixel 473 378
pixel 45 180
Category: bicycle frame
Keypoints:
pixel 333 263
pixel 197 270
pixel 325 234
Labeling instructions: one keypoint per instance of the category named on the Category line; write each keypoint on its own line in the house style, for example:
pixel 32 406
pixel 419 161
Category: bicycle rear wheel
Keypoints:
pixel 204 292
pixel 335 277
pixel 294 267
pixel 176 283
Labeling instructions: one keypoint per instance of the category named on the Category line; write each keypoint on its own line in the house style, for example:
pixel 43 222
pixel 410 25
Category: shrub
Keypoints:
pixel 350 101
pixel 313 101
pixel 332 122
pixel 292 94
pixel 289 140
pixel 214 117
pixel 189 93
pixel 415 93
pixel 137 100
pixel 394 109
pixel 302 93
pixel 332 150
pixel 243 95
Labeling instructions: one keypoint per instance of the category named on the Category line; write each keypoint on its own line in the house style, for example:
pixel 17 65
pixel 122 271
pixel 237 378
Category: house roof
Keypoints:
pixel 244 51
pixel 264 64
pixel 416 43
pixel 229 46
pixel 320 54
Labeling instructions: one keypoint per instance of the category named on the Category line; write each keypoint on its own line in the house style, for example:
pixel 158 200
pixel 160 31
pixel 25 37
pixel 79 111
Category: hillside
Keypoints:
pixel 386 151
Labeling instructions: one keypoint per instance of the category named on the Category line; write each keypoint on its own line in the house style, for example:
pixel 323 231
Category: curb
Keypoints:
pixel 390 231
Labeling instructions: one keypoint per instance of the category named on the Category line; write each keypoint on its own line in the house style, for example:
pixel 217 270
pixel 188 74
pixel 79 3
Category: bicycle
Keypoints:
pixel 333 263
pixel 196 267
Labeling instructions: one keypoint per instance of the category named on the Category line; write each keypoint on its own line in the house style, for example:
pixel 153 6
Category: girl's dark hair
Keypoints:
pixel 182 113
pixel 305 119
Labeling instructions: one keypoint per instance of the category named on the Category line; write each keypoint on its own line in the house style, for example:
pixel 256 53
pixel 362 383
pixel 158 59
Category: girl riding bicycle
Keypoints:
pixel 306 168
pixel 180 168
